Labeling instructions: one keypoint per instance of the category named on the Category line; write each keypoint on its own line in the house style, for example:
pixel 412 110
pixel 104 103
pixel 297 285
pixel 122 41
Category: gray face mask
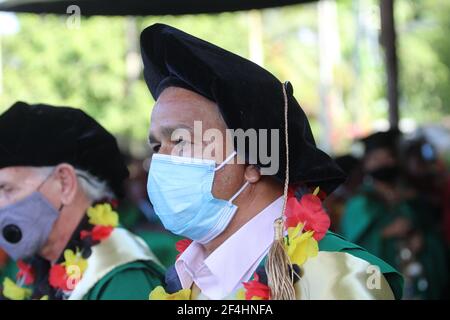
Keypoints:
pixel 26 225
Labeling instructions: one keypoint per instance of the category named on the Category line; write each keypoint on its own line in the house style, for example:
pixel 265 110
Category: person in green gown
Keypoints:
pixel 61 174
pixel 235 170
pixel 387 219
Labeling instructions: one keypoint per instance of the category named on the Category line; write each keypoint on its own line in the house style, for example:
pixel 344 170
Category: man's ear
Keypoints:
pixel 68 182
pixel 252 173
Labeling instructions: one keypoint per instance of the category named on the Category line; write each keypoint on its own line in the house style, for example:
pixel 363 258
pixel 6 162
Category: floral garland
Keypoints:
pixel 63 277
pixel 306 223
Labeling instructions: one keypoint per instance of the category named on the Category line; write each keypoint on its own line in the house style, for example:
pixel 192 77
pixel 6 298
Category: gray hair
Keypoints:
pixel 94 188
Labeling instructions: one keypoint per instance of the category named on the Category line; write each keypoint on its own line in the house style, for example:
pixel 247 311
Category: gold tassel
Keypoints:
pixel 278 268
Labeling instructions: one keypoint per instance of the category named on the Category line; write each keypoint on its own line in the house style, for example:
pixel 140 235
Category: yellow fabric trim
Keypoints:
pixel 335 276
pixel 120 248
pixel 341 276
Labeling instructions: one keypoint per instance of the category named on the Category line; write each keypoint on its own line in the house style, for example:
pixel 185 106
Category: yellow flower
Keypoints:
pixel 316 191
pixel 301 245
pixel 160 294
pixel 103 215
pixel 75 264
pixel 13 291
pixel 240 294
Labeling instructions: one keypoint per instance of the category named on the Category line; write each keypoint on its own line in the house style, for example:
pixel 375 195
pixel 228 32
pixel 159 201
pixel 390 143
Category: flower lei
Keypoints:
pixel 64 276
pixel 306 223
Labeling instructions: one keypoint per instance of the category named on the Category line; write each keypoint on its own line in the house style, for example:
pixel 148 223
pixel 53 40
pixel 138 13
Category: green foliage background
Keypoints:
pixel 86 67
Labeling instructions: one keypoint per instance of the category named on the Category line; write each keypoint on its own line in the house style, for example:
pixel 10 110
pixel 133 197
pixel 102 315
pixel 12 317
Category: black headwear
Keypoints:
pixel 347 163
pixel 42 135
pixel 248 96
pixel 383 139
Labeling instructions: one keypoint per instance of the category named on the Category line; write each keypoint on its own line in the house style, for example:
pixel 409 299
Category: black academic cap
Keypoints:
pixel 42 135
pixel 248 96
pixel 382 140
pixel 347 163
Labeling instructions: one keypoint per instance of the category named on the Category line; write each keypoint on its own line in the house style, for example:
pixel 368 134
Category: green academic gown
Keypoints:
pixel 366 216
pixel 340 271
pixel 131 281
pixel 120 267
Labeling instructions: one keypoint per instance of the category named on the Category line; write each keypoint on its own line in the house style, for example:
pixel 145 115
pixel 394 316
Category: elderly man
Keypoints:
pixel 60 173
pixel 251 211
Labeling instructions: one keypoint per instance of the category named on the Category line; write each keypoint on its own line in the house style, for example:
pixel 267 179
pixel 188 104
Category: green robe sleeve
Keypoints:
pixel 132 281
pixel 9 271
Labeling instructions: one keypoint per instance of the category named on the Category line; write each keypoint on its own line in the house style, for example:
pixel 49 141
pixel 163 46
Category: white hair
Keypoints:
pixel 94 188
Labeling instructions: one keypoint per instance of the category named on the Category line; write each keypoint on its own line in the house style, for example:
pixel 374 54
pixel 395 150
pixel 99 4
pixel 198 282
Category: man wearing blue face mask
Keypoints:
pixel 60 176
pixel 255 228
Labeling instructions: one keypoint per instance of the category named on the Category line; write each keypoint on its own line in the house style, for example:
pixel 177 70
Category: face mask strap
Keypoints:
pixel 42 183
pixel 231 156
pixel 238 192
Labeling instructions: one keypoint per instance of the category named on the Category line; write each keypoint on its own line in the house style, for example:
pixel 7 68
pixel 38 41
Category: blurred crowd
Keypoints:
pixel 396 204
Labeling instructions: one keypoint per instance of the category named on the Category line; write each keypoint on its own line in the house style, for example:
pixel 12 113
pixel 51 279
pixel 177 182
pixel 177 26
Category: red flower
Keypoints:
pixel 58 277
pixel 84 234
pixel 291 192
pixel 25 272
pixel 308 211
pixel 98 233
pixel 254 288
pixel 114 203
pixel 182 245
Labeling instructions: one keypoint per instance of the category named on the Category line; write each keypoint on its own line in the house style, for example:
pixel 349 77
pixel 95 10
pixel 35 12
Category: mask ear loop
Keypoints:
pixel 238 192
pixel 231 156
pixel 42 183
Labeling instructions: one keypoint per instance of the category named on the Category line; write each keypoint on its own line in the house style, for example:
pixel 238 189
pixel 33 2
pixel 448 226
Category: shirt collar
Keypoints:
pixel 232 262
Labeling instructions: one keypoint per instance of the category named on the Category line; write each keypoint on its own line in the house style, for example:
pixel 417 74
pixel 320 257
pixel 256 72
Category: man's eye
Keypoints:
pixel 179 142
pixel 156 148
pixel 5 189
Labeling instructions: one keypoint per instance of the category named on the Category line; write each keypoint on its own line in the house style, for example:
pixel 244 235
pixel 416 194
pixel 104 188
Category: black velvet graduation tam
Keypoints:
pixel 42 135
pixel 248 96
pixel 382 139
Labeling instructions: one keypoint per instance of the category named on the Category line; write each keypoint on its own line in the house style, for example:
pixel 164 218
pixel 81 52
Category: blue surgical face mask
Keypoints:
pixel 180 190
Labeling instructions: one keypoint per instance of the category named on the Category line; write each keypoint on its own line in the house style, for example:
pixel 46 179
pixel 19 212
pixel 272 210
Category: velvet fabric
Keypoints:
pixel 42 135
pixel 248 96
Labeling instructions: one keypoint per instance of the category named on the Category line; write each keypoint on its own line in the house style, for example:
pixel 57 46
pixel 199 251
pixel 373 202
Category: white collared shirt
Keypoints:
pixel 233 262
